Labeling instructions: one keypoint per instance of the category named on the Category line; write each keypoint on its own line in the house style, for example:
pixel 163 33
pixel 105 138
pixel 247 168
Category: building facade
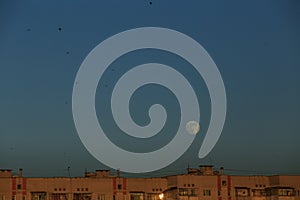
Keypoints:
pixel 197 184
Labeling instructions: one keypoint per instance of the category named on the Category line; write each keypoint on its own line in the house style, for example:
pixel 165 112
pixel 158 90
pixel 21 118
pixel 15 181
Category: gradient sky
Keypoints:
pixel 255 44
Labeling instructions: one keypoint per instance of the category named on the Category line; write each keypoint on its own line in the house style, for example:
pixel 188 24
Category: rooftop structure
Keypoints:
pixel 201 183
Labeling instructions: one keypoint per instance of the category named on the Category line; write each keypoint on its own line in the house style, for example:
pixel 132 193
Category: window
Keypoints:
pixel 188 192
pixel 286 192
pixel 19 186
pixel 259 192
pixel 224 183
pixel 137 196
pixel 194 192
pixel 153 196
pixel 183 192
pixel 82 196
pixel 119 187
pixel 38 195
pixel 101 196
pixel 56 196
pixel 206 193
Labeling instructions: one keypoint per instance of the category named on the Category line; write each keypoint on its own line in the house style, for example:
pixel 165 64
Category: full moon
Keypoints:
pixel 192 127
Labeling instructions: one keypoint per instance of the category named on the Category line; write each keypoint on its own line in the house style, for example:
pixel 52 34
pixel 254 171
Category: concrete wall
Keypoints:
pixel 183 187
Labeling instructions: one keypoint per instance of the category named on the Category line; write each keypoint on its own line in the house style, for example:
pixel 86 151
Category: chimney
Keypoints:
pixel 221 170
pixel 20 172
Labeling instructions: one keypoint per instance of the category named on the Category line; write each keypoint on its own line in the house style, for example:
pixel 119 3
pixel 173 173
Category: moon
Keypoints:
pixel 192 127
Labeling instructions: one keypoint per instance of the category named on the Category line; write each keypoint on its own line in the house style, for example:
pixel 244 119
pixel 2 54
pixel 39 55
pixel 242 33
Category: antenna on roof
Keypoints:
pixel 69 172
pixel 188 169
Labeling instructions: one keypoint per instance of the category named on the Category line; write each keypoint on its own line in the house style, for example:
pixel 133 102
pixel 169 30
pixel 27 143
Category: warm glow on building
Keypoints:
pixel 202 183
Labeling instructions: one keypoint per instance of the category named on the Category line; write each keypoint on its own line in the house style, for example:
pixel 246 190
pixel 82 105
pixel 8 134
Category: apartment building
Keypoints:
pixel 197 184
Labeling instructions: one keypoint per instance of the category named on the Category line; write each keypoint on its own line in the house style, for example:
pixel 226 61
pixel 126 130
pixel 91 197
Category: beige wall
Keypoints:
pixel 5 188
pixel 220 187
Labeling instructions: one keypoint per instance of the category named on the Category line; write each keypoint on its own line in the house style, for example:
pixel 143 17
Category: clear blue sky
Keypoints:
pixel 255 44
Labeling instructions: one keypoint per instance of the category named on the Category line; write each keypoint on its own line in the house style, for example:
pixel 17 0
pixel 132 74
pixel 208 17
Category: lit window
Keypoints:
pixel 206 193
pixel 101 196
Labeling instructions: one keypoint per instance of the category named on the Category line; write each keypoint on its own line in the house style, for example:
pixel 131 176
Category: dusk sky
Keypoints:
pixel 255 45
